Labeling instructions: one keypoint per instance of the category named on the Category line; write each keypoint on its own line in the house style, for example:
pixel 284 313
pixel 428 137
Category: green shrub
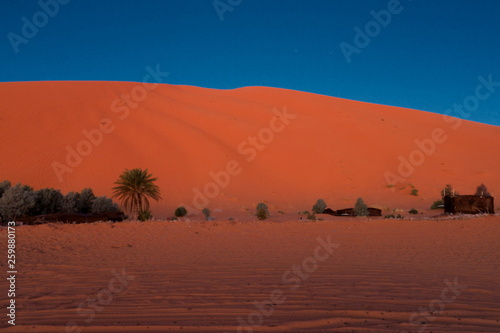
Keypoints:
pixel 104 205
pixel 360 208
pixel 47 201
pixel 437 204
pixel 262 211
pixel 180 212
pixel 71 203
pixel 413 211
pixel 319 207
pixel 87 198
pixel 414 192
pixel 392 216
pixel 206 212
pixel 17 201
pixel 311 217
pixel 144 215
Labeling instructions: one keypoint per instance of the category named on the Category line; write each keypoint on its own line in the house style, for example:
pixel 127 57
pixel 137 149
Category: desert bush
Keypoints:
pixel 17 201
pixel 414 192
pixel 413 211
pixel 71 203
pixel 360 208
pixel 262 211
pixel 392 216
pixel 103 205
pixel 482 190
pixel 319 207
pixel 87 198
pixel 311 217
pixel 144 215
pixel 437 204
pixel 47 201
pixel 206 212
pixel 180 212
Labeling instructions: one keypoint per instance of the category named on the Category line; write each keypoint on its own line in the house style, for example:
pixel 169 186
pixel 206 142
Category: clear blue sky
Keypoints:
pixel 427 57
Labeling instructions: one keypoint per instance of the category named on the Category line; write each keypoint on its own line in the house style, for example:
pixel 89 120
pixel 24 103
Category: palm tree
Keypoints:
pixel 133 189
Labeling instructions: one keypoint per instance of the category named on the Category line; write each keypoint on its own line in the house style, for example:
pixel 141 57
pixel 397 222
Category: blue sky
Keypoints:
pixel 428 56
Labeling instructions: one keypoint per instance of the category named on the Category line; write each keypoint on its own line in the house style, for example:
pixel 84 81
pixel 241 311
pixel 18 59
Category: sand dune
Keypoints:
pixel 286 148
pixel 228 150
pixel 380 276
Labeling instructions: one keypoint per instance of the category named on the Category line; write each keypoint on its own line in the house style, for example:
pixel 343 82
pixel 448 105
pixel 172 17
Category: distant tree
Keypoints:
pixel 262 211
pixel 47 201
pixel 17 201
pixel 319 207
pixel 206 212
pixel 103 205
pixel 4 186
pixel 71 203
pixel 448 190
pixel 482 190
pixel 133 189
pixel 87 198
pixel 180 211
pixel 360 208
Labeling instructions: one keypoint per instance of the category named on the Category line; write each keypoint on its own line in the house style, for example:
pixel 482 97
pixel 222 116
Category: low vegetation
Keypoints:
pixel 144 215
pixel 262 211
pixel 360 208
pixel 392 216
pixel 21 200
pixel 180 211
pixel 438 204
pixel 206 212
pixel 319 207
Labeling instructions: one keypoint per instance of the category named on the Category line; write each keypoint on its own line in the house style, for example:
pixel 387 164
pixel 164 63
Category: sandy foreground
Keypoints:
pixel 346 275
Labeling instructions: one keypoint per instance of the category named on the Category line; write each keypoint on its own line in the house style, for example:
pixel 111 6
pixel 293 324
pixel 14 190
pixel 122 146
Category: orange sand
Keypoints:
pixel 333 149
pixel 202 277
